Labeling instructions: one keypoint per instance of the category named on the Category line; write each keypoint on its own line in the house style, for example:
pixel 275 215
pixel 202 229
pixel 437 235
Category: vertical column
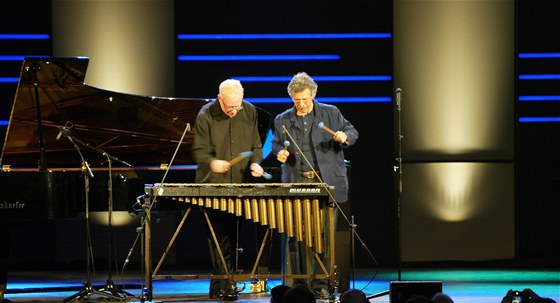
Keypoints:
pixel 454 61
pixel 130 43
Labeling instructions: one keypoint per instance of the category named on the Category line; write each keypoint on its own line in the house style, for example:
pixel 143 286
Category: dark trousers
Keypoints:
pixel 300 255
pixel 225 227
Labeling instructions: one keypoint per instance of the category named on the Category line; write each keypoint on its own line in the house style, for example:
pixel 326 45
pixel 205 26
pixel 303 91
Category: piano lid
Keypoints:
pixel 140 130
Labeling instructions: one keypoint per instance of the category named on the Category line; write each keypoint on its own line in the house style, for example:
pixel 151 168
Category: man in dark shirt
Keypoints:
pixel 224 129
pixel 313 152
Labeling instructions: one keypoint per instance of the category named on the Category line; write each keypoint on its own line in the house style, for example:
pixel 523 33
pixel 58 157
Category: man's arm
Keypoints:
pixel 202 149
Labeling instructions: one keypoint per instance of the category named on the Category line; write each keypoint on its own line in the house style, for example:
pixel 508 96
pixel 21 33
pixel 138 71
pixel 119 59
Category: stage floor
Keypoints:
pixel 462 285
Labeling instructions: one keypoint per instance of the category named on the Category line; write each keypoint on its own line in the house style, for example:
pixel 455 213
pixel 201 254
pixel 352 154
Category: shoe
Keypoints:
pixel 231 293
pixel 321 293
pixel 225 296
pixel 230 297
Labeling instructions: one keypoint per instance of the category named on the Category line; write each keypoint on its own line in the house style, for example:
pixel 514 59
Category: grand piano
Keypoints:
pixel 54 111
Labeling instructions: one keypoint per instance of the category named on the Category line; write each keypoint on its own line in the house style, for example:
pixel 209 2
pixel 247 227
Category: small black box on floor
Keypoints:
pixel 400 291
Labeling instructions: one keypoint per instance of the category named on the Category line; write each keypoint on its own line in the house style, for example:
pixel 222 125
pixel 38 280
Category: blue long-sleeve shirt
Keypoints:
pixel 329 154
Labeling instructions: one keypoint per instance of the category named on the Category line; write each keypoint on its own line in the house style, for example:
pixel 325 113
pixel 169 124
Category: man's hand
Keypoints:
pixel 256 170
pixel 340 137
pixel 220 166
pixel 283 155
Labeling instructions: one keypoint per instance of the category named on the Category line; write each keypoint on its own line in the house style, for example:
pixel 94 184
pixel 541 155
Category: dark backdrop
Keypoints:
pixel 537 144
pixel 371 159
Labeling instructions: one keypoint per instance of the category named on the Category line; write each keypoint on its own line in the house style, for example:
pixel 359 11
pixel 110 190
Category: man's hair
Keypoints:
pixel 353 296
pixel 277 293
pixel 230 86
pixel 299 294
pixel 300 82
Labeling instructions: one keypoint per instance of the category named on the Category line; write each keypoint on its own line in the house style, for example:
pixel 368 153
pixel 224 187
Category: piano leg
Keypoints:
pixel 5 239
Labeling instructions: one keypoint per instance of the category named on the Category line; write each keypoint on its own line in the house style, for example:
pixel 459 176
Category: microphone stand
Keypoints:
pixel 144 231
pixel 110 285
pixel 88 287
pixel 114 292
pixel 351 224
pixel 399 188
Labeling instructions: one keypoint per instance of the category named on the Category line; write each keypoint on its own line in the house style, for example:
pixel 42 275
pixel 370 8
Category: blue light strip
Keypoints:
pixel 256 57
pixel 538 119
pixel 9 79
pixel 354 99
pixel 539 98
pixel 538 55
pixel 317 78
pixel 539 77
pixel 284 36
pixel 25 36
pixel 19 58
pixel 4 122
pixel 11 58
pixel 323 99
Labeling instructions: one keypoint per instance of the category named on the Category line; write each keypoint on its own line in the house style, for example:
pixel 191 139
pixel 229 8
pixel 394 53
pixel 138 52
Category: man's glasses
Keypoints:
pixel 230 108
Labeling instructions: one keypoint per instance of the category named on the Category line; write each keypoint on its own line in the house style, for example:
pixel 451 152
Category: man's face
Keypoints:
pixel 303 102
pixel 230 103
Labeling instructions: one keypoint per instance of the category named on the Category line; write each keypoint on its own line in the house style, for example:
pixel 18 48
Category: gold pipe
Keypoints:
pixel 307 223
pixel 247 208
pixel 279 215
pixel 298 218
pixel 317 226
pixel 271 213
pixel 238 207
pixel 289 216
pixel 262 211
pixel 255 209
pixel 223 204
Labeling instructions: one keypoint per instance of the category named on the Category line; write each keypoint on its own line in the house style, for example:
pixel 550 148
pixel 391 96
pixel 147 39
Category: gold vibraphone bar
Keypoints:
pixel 295 209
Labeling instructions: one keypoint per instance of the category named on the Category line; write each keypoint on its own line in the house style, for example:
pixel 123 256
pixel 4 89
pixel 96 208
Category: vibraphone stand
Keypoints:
pixel 256 196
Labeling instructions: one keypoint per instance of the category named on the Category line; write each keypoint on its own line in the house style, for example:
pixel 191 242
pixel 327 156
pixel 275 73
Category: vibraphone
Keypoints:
pixel 295 209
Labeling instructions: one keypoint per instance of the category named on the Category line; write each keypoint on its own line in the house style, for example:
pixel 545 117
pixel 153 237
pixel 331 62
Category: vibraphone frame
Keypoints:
pixel 231 192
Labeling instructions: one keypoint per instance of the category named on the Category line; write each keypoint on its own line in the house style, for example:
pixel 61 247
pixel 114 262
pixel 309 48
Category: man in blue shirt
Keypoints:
pixel 317 134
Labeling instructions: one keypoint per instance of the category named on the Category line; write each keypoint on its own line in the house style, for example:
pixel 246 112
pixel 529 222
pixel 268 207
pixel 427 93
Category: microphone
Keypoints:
pixel 330 131
pixel 65 130
pixel 398 91
pixel 61 130
pixel 86 167
pixel 127 260
pixel 286 144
